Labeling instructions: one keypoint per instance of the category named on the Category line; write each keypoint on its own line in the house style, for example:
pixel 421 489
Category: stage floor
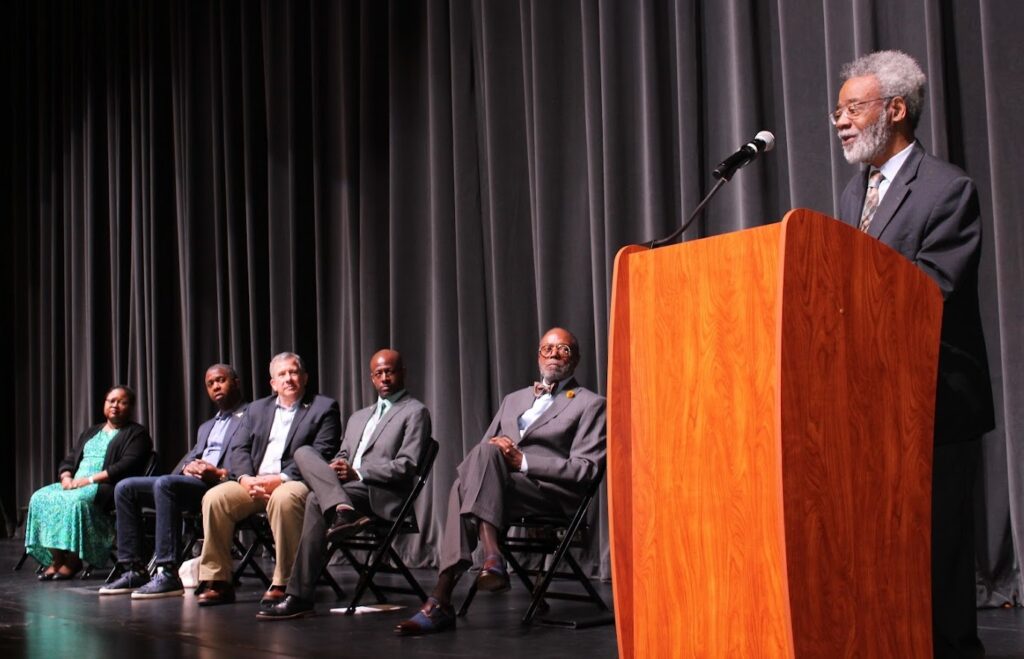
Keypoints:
pixel 69 619
pixel 55 619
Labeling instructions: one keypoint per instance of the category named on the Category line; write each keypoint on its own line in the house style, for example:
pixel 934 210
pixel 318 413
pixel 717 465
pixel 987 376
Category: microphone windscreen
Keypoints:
pixel 768 139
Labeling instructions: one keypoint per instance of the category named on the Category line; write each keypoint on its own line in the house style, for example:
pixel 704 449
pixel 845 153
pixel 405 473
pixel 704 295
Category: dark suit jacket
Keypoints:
pixel 930 215
pixel 235 423
pixel 389 462
pixel 565 447
pixel 127 455
pixel 317 423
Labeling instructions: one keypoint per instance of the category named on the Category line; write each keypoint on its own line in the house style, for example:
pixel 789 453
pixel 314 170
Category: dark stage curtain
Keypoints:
pixel 191 182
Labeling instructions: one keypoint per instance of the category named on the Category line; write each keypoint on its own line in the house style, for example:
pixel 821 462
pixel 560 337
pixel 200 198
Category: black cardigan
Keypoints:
pixel 127 455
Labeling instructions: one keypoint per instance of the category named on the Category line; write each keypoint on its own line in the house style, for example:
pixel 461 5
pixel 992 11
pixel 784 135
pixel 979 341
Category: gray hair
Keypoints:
pixel 287 355
pixel 898 74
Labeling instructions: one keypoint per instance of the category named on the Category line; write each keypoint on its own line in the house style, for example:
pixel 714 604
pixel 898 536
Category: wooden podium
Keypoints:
pixel 771 400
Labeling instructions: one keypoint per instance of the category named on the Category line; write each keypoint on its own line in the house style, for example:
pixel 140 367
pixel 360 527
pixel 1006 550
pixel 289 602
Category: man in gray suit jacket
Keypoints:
pixel 372 473
pixel 265 477
pixel 544 447
pixel 181 490
pixel 927 210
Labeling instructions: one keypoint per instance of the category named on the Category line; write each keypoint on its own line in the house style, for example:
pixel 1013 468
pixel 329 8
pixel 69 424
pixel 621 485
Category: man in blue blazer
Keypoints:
pixel 927 210
pixel 265 477
pixel 181 490
pixel 371 474
pixel 544 447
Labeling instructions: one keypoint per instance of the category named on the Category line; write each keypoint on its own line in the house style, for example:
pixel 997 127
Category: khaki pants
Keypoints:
pixel 229 503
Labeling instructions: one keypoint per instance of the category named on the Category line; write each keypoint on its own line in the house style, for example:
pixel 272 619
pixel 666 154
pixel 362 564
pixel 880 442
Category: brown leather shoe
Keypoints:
pixel 273 595
pixel 217 592
pixel 493 576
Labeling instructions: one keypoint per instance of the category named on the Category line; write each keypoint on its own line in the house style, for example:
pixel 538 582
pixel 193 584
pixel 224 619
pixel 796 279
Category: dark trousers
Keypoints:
pixel 169 495
pixel 326 493
pixel 486 490
pixel 954 607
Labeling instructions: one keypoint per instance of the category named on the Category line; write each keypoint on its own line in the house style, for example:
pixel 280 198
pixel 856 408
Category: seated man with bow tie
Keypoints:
pixel 544 446
pixel 372 473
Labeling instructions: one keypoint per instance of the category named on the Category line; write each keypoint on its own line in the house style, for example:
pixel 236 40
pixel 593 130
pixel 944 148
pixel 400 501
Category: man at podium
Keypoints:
pixel 927 210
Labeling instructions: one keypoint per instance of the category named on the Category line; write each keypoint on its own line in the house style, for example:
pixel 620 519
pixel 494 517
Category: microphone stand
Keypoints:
pixel 700 207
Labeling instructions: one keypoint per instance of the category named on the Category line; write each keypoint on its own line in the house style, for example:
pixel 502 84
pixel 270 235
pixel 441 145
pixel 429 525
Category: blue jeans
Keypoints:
pixel 169 495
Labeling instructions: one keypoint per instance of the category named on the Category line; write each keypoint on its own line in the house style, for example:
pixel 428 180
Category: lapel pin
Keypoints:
pixel 571 393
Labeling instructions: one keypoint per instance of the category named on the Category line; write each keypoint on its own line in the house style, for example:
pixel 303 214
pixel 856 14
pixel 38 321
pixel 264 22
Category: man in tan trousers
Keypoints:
pixel 264 477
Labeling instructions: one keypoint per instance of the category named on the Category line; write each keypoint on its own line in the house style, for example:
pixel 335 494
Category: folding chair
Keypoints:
pixel 551 536
pixel 115 570
pixel 263 538
pixel 377 538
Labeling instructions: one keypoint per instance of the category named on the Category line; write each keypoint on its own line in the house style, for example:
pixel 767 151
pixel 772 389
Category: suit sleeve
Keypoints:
pixel 239 460
pixel 950 244
pixel 326 431
pixel 187 458
pixel 416 430
pixel 586 457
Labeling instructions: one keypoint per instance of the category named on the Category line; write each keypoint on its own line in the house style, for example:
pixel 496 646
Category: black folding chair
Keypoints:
pixel 551 537
pixel 262 538
pixel 115 570
pixel 377 539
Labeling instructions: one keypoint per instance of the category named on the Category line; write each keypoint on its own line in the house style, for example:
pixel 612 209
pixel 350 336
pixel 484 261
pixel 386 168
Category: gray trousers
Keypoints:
pixel 326 494
pixel 486 490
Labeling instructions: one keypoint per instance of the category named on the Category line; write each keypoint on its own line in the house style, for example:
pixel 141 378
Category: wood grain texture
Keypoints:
pixel 769 445
pixel 703 543
pixel 859 346
pixel 620 500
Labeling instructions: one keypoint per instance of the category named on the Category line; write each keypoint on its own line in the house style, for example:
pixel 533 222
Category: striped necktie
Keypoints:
pixel 870 200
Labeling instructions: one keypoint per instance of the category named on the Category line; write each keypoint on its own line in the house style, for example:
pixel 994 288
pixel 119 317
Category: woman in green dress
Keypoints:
pixel 69 522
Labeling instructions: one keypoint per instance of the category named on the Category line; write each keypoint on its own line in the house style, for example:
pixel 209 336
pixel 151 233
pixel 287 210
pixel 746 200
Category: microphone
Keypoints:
pixel 763 141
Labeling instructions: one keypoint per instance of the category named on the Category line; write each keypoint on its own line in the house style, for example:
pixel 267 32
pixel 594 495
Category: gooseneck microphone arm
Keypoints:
pixel 693 216
pixel 763 141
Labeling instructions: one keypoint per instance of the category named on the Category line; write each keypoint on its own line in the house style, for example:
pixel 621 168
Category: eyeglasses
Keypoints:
pixel 855 109
pixel 550 350
pixel 381 372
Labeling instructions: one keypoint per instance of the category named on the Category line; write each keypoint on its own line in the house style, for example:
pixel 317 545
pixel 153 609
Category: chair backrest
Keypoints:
pixel 423 467
pixel 154 460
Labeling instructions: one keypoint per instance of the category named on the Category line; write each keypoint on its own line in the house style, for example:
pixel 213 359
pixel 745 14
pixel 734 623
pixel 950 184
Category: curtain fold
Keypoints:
pixel 195 182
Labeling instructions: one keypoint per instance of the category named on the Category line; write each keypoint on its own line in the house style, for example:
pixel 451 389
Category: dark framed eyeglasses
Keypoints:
pixel 855 109
pixel 381 372
pixel 561 350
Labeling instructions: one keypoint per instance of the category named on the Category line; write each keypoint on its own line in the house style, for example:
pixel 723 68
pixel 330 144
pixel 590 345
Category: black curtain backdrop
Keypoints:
pixel 191 182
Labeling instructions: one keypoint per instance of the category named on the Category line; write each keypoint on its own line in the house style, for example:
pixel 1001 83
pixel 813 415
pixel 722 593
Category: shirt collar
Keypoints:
pixel 281 406
pixel 891 167
pixel 390 400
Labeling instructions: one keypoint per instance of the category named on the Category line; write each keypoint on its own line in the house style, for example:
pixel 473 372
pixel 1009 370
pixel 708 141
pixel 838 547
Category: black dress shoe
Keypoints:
pixel 346 523
pixel 288 608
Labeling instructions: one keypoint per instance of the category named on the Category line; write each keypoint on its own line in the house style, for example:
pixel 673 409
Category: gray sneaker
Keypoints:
pixel 165 583
pixel 126 583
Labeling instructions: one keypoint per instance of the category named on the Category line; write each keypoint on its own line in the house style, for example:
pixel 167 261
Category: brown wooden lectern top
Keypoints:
pixel 771 399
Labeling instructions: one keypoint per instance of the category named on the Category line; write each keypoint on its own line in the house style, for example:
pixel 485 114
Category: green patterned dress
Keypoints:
pixel 66 519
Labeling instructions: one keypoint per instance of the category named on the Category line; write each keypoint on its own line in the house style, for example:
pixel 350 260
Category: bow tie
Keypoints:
pixel 540 388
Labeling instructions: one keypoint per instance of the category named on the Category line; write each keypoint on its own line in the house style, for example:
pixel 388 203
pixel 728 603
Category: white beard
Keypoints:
pixel 556 373
pixel 870 142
